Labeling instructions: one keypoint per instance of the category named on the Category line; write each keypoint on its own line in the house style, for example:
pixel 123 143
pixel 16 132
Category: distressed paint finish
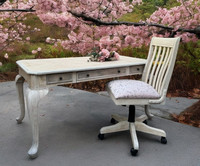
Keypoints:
pixel 157 73
pixel 19 81
pixel 32 100
pixel 44 73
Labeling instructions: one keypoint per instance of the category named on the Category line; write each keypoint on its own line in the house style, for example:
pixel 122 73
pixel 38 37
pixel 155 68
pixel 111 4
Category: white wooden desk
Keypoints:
pixel 41 74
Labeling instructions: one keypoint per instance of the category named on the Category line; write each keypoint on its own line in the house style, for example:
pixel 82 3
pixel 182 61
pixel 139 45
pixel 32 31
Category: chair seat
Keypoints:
pixel 132 89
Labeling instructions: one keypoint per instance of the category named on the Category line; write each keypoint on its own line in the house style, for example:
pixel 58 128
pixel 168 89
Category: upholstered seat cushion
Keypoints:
pixel 132 89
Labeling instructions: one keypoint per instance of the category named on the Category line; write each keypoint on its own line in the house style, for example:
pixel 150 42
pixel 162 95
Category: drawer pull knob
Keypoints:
pixel 87 75
pixel 60 78
pixel 119 71
pixel 138 69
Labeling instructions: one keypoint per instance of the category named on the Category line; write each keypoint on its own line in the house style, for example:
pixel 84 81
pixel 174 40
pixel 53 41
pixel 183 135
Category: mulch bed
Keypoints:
pixel 8 76
pixel 190 115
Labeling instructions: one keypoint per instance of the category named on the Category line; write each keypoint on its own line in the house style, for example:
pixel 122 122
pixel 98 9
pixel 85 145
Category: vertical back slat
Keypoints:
pixel 154 65
pixel 163 70
pixel 158 68
pixel 150 64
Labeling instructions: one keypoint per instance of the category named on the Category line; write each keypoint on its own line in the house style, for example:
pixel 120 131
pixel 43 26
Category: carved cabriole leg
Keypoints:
pixel 32 99
pixel 149 115
pixel 19 81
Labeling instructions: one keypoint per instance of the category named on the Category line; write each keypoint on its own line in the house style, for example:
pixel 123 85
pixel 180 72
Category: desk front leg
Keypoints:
pixel 32 99
pixel 19 81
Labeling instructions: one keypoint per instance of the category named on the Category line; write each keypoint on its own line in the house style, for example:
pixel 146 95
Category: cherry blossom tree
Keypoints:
pixel 12 27
pixel 94 23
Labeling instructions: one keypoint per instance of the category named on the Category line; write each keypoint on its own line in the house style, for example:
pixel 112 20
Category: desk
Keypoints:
pixel 41 74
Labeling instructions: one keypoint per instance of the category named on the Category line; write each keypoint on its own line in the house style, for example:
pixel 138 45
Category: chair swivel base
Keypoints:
pixel 138 125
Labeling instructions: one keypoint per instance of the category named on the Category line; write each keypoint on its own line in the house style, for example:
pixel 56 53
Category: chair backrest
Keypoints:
pixel 160 62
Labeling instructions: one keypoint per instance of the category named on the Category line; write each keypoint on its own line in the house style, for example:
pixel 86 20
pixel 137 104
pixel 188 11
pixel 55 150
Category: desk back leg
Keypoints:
pixel 19 81
pixel 32 99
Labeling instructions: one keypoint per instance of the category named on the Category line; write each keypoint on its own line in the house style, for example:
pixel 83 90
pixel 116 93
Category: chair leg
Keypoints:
pixel 141 118
pixel 150 130
pixel 134 136
pixel 119 118
pixel 121 126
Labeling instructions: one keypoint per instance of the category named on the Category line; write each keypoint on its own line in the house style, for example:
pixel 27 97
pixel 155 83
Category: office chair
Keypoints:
pixel 152 89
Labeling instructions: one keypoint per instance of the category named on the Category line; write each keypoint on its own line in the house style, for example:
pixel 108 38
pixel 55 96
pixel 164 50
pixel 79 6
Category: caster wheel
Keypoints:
pixel 101 136
pixel 145 122
pixel 163 140
pixel 134 152
pixel 113 121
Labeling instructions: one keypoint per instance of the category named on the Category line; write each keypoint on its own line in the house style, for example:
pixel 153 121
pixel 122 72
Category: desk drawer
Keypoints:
pixel 59 78
pixel 104 73
pixel 136 69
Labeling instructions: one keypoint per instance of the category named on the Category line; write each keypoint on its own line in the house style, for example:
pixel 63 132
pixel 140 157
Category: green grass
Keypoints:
pixel 52 31
pixel 135 52
pixel 24 56
pixel 131 17
pixel 8 67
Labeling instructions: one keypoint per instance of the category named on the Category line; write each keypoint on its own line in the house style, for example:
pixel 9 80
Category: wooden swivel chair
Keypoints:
pixel 151 89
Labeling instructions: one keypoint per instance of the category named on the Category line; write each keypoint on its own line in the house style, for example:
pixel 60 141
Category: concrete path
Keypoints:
pixel 69 124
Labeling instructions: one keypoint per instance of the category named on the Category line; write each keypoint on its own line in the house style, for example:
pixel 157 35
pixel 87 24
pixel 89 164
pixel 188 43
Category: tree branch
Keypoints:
pixel 17 10
pixel 2 2
pixel 98 22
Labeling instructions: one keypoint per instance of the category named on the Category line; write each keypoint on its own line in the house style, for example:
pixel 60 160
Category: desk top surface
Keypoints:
pixel 60 65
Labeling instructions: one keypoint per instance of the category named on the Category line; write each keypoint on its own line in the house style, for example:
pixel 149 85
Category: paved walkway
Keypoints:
pixel 69 124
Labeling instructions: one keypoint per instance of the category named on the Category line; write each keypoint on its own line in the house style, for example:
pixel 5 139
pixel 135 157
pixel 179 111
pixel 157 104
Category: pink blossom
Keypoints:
pixel 6 56
pixel 28 38
pixel 116 55
pixel 84 36
pixel 39 49
pixel 34 51
pixel 48 39
pixel 129 39
pixel 105 53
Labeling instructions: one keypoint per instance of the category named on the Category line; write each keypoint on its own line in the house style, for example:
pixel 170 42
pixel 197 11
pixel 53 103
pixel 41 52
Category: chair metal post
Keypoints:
pixel 131 116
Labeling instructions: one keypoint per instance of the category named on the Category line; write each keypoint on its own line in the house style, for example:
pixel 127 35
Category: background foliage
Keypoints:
pixel 187 68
